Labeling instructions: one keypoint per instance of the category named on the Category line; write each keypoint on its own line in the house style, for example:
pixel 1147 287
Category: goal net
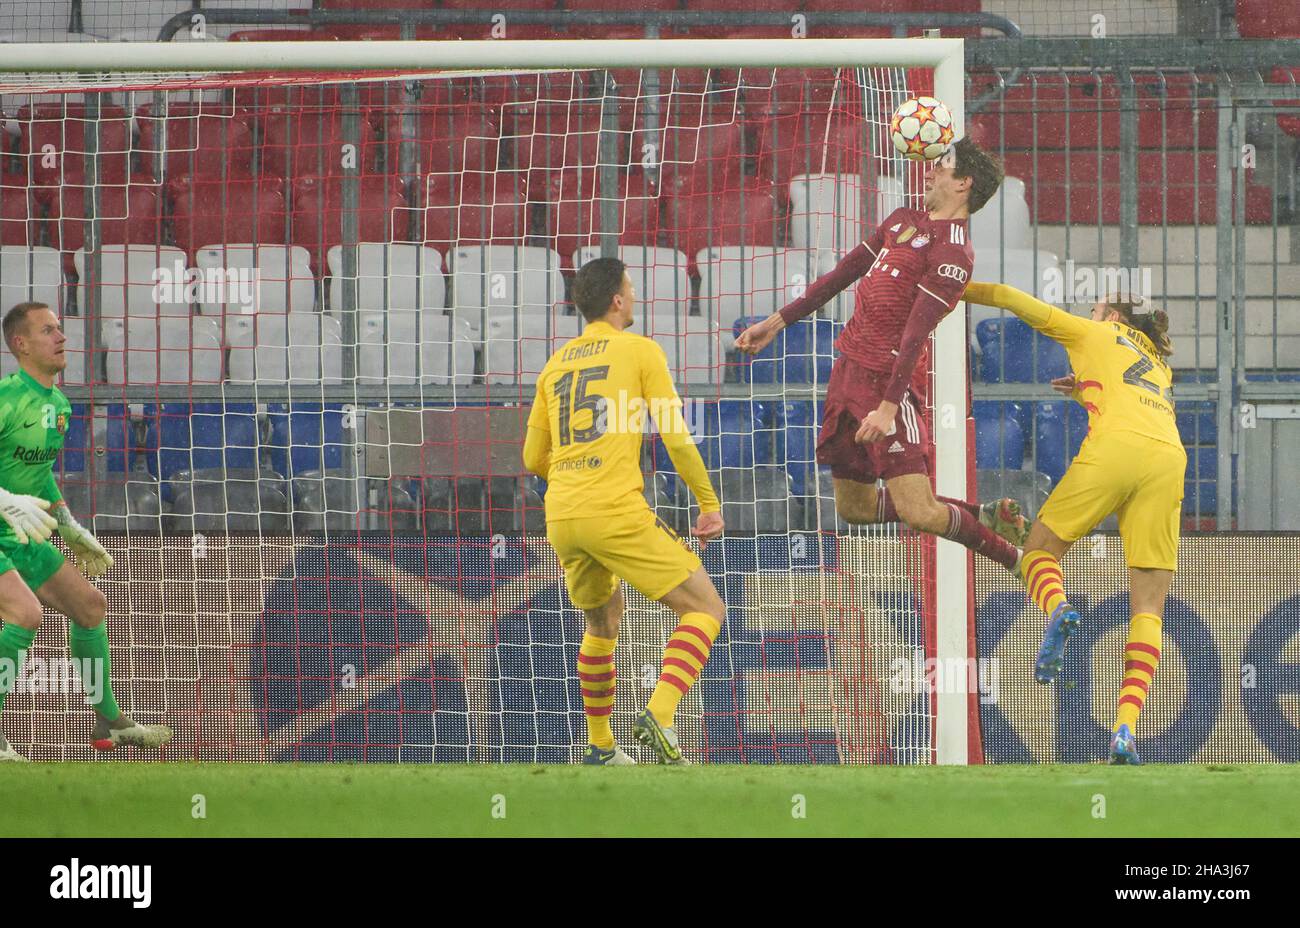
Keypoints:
pixel 306 311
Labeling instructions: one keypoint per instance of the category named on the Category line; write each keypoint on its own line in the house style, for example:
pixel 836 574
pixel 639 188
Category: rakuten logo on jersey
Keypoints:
pixel 953 272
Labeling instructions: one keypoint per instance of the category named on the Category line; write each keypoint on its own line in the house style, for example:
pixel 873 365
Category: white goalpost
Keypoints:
pixel 405 339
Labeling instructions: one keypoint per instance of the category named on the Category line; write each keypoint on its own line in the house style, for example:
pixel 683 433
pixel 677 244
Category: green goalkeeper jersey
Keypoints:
pixel 33 421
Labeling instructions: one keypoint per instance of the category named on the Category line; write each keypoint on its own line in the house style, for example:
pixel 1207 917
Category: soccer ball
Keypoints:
pixel 921 129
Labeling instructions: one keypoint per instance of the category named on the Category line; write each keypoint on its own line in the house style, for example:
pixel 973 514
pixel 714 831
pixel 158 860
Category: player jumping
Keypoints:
pixel 34 415
pixel 584 439
pixel 1132 463
pixel 913 269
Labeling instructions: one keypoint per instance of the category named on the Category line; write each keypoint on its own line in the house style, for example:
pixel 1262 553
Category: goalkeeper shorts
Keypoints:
pixel 638 547
pixel 35 562
pixel 1136 477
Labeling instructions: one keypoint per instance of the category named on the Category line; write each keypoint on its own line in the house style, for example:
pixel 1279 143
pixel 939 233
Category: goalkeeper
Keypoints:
pixel 34 416
pixel 1132 463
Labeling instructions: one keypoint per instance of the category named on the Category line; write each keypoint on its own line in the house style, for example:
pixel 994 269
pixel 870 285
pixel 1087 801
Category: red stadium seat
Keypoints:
pixel 278 35
pixel 307 144
pixel 317 214
pixel 1083 112
pixel 20 223
pixel 550 137
pixel 475 208
pixel 213 210
pixel 789 144
pixel 53 140
pixel 1268 19
pixel 575 212
pixel 199 139
pixel 447 139
pixel 1290 124
pixel 713 153
pixel 752 214
pixel 1182 195
pixel 128 214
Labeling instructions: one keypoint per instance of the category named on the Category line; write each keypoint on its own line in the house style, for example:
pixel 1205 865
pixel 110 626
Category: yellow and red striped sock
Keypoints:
pixel 1141 657
pixel 685 655
pixel 596 677
pixel 1043 580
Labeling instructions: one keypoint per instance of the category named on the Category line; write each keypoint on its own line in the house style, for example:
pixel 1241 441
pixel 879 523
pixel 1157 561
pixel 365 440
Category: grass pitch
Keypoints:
pixel 160 799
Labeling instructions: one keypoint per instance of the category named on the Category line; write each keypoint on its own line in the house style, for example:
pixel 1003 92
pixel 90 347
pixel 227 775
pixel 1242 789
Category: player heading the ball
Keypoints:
pixel 597 520
pixel 34 416
pixel 910 273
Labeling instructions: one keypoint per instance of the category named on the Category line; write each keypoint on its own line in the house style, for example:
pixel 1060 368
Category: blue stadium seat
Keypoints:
pixel 803 353
pixel 1200 487
pixel 1012 352
pixel 999 443
pixel 306 437
pixel 1197 424
pixel 1059 430
pixel 75 442
pixel 118 441
pixel 989 410
pixel 202 436
pixel 729 433
pixel 801 422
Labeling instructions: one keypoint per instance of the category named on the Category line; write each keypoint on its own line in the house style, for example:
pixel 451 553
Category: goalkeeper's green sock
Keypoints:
pixel 15 641
pixel 92 644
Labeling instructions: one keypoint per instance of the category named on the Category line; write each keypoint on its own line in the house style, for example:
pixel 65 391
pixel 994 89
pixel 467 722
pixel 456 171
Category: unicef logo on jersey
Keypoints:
pixel 594 461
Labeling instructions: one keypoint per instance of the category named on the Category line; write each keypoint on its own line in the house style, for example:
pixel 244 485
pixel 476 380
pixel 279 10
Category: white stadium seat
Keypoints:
pixel 736 282
pixel 412 273
pixel 138 280
pixel 34 273
pixel 284 348
pixel 1003 222
pixel 169 350
pixel 282 279
pixel 131 19
pixel 387 348
pixel 815 198
pixel 511 353
pixel 499 279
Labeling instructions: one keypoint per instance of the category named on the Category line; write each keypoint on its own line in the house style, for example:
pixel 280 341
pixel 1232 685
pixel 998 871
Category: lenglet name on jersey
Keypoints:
pixel 578 352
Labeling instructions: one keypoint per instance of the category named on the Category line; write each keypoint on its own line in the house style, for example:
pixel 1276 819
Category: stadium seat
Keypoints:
pixel 446 139
pixel 576 211
pixel 796 443
pixel 750 281
pixel 202 436
pixel 318 213
pixel 475 208
pixel 1003 222
pixel 284 348
pixel 1080 111
pixel 112 19
pixel 206 211
pixel 801 353
pixel 20 216
pixel 387 348
pixel 516 348
pixel 129 282
pixel 1034 272
pixel 549 136
pixel 1268 19
pixel 1177 188
pixel 228 500
pixel 390 275
pixel 1011 352
pixel 757 499
pixel 53 143
pixel 751 215
pixel 1059 430
pixel 167 350
pixel 496 279
pixel 325 502
pixel 1197 423
pixel 315 144
pixel 278 279
pixel 695 157
pixel 999 443
pixel 307 437
pixel 74 327
pixel 76 442
pixel 34 273
pixel 815 198
pixel 803 142
pixel 728 433
pixel 129 504
pixel 127 215
pixel 197 140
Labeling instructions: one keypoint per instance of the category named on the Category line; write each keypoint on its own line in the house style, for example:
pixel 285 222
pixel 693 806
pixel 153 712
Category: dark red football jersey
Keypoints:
pixel 913 256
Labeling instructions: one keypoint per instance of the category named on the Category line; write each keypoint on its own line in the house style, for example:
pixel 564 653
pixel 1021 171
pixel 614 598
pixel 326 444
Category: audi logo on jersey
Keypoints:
pixel 953 271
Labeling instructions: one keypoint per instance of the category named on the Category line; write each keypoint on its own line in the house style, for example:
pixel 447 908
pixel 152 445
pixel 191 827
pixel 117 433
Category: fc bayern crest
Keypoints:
pixel 61 423
pixel 920 241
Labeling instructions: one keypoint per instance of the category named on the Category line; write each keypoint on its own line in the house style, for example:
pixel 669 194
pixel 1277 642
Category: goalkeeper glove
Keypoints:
pixel 90 554
pixel 27 517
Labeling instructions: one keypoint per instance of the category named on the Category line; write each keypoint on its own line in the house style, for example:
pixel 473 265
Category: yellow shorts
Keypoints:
pixel 637 547
pixel 1124 473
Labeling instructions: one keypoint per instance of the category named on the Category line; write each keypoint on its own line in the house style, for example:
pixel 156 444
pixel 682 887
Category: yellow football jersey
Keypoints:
pixel 1119 376
pixel 595 397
